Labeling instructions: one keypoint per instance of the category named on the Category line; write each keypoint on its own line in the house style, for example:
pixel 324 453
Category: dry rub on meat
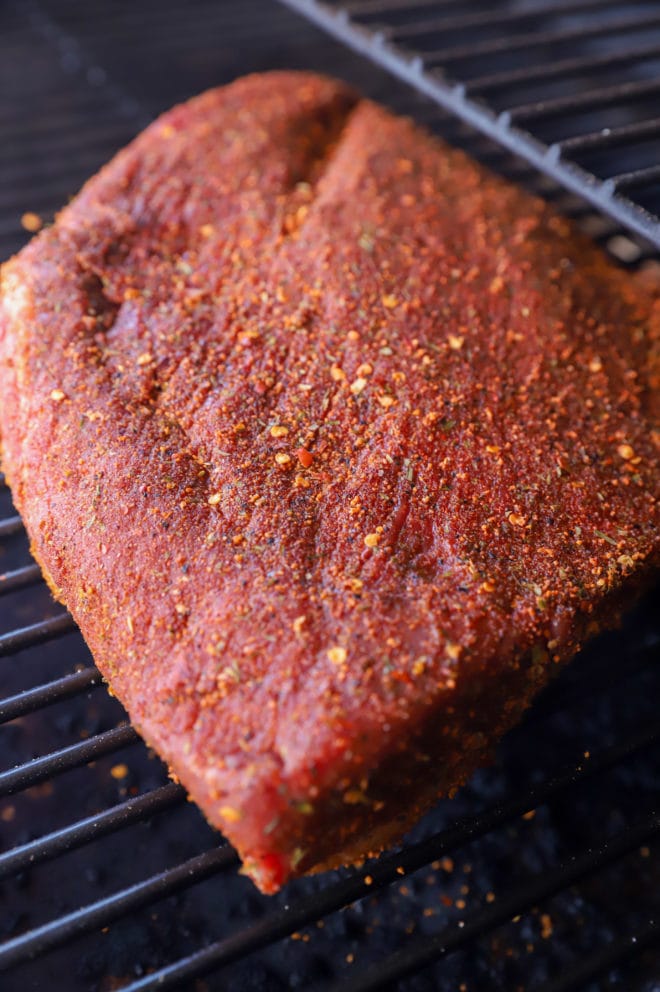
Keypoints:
pixel 335 445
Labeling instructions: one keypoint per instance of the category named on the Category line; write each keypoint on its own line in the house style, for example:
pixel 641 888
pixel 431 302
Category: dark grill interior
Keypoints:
pixel 543 873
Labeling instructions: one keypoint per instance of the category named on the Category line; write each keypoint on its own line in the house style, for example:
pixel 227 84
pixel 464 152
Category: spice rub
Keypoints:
pixel 335 445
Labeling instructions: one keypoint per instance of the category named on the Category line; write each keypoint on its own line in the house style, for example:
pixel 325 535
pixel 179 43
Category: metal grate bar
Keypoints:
pixel 369 8
pixel 561 68
pixel 36 633
pixel 39 769
pixel 383 872
pixel 92 828
pixel 103 912
pixel 27 178
pixel 20 578
pixel 606 96
pixel 611 956
pixel 636 179
pixel 610 136
pixel 52 692
pixel 490 18
pixel 61 143
pixel 536 39
pixel 11 525
pixel 425 950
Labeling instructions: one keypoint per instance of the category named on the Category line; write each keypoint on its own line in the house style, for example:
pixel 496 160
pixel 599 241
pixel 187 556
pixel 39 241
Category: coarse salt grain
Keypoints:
pixel 337 655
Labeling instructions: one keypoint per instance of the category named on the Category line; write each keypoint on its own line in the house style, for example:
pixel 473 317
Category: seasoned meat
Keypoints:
pixel 335 445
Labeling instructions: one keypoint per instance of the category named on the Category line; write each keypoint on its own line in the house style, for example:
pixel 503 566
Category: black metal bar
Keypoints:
pixel 105 911
pixel 36 633
pixel 611 955
pixel 383 872
pixel 20 578
pixel 561 68
pixel 11 525
pixel 610 136
pixel 537 39
pixel 497 18
pixel 39 769
pixel 62 142
pixel 92 828
pixel 424 951
pixel 453 97
pixel 369 8
pixel 605 96
pixel 636 179
pixel 51 692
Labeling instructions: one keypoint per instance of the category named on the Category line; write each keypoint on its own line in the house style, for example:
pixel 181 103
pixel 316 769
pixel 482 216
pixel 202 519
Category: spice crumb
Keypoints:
pixel 337 655
pixel 298 625
pixel 31 222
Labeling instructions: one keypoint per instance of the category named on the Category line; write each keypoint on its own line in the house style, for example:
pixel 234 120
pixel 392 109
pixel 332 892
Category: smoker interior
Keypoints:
pixel 543 874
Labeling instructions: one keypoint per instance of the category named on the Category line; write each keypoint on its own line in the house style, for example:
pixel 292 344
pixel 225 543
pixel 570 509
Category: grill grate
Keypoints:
pixel 479 64
pixel 543 827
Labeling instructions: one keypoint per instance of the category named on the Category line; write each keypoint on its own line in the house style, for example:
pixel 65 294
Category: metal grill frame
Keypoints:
pixel 430 74
pixel 336 894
